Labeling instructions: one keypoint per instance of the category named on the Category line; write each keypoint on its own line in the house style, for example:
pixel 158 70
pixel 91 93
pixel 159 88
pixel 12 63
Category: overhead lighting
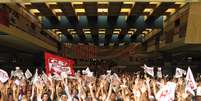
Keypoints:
pixel 145 32
pixel 33 11
pixel 28 3
pixel 69 30
pixel 73 32
pixel 121 44
pixel 58 32
pixel 79 10
pixel 131 32
pixel 85 29
pixel 51 3
pixel 103 2
pixel 145 17
pixel 102 29
pixel 102 10
pixel 87 32
pixel 133 29
pixel 117 29
pixel 57 10
pixel 125 10
pixel 101 32
pixel 148 29
pixel 116 32
pixel 164 17
pixel 77 3
pixel 131 3
pixel 40 18
pixel 180 3
pixel 148 10
pixel 155 3
pixel 171 11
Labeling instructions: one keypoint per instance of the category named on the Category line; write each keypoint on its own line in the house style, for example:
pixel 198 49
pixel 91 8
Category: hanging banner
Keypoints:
pixel 56 65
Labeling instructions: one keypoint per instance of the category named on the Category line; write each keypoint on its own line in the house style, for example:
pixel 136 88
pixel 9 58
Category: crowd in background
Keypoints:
pixel 84 86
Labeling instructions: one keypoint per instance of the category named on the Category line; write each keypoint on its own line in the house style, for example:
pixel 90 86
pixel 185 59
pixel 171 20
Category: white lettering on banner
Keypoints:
pixel 3 76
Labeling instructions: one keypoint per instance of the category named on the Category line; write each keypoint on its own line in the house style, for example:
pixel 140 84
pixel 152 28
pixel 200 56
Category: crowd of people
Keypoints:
pixel 84 86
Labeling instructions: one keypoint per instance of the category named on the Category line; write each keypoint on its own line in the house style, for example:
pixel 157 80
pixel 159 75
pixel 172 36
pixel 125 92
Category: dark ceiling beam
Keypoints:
pixel 69 12
pixel 67 34
pixel 91 13
pixel 45 11
pixel 136 11
pixel 160 10
pixel 113 14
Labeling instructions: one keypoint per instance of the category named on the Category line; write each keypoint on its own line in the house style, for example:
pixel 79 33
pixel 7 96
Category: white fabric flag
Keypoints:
pixel 167 92
pixel 159 73
pixel 148 70
pixel 190 82
pixel 28 74
pixel 3 76
pixel 179 72
pixel 35 78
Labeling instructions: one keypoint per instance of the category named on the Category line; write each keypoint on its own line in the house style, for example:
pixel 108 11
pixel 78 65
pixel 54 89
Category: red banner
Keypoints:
pixel 56 64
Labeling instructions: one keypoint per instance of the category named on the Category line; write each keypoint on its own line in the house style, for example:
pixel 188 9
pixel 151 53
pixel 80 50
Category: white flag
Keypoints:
pixel 35 78
pixel 148 70
pixel 159 73
pixel 167 92
pixel 190 82
pixel 28 74
pixel 3 76
pixel 179 72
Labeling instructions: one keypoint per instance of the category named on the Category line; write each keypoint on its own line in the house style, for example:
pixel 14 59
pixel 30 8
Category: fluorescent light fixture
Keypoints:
pixel 129 3
pixel 86 29
pixel 164 17
pixel 156 3
pixel 33 11
pixel 145 32
pixel 77 3
pixel 57 10
pixel 28 3
pixel 51 3
pixel 121 44
pixel 117 29
pixel 180 3
pixel 102 10
pixel 131 32
pixel 103 2
pixel 79 10
pixel 125 10
pixel 116 32
pixel 102 29
pixel 70 30
pixel 73 32
pixel 133 29
pixel 101 32
pixel 87 32
pixel 148 29
pixel 40 18
pixel 171 11
pixel 148 10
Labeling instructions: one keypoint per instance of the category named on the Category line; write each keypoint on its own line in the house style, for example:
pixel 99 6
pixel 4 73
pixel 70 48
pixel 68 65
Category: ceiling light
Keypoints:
pixel 79 10
pixel 171 11
pixel 70 30
pixel 145 17
pixel 28 3
pixel 180 3
pixel 58 32
pixel 33 11
pixel 117 29
pixel 131 32
pixel 101 32
pixel 103 2
pixel 131 3
pixel 145 32
pixel 164 17
pixel 40 18
pixel 102 10
pixel 125 10
pixel 87 32
pixel 85 29
pixel 155 3
pixel 102 29
pixel 148 10
pixel 77 3
pixel 57 10
pixel 116 32
pixel 73 32
pixel 133 29
pixel 148 29
pixel 51 3
pixel 121 44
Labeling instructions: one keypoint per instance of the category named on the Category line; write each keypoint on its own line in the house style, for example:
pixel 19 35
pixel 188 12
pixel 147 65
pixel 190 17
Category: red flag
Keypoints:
pixel 56 65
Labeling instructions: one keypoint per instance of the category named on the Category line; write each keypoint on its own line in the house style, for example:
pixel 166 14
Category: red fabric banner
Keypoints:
pixel 56 64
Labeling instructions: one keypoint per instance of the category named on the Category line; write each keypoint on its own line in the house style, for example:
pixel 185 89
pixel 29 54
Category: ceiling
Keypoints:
pixel 102 23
